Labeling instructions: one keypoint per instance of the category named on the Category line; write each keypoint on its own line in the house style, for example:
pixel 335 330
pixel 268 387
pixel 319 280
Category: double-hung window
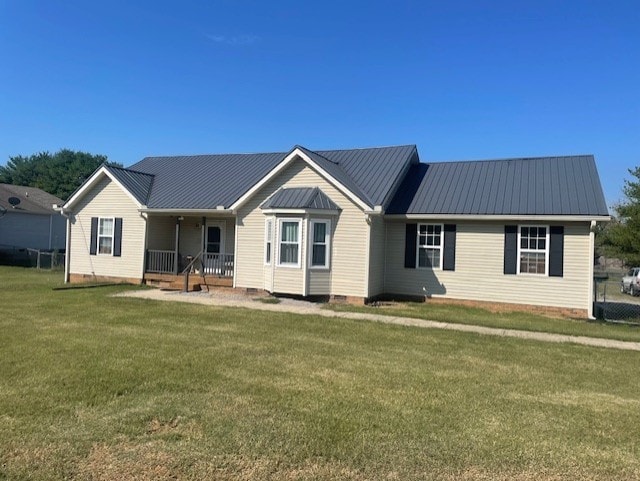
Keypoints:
pixel 268 240
pixel 105 235
pixel 319 240
pixel 533 247
pixel 289 245
pixel 430 241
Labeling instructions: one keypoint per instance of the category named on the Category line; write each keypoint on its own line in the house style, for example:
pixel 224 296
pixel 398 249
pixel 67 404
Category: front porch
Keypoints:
pixel 192 282
pixel 190 252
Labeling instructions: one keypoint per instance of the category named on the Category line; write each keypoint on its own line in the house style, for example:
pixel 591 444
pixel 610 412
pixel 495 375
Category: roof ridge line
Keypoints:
pixel 128 169
pixel 507 159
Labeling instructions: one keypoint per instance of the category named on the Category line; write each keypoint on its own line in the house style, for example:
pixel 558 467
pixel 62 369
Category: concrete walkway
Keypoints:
pixel 304 307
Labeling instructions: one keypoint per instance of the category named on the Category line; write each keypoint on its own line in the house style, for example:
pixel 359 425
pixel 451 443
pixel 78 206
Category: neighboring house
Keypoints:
pixel 28 220
pixel 346 224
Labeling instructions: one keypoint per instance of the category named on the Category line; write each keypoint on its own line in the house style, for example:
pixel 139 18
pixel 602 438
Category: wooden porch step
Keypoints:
pixel 197 282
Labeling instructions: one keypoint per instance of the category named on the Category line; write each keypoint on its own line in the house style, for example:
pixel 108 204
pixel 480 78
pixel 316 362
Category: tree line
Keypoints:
pixel 620 238
pixel 59 174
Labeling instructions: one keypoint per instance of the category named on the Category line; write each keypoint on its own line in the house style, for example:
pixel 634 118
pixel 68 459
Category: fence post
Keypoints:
pixel 38 261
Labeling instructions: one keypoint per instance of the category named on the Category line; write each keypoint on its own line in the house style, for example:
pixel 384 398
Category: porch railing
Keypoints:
pixel 220 265
pixel 162 262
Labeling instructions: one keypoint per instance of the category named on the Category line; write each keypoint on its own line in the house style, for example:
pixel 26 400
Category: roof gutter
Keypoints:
pixel 218 210
pixel 528 217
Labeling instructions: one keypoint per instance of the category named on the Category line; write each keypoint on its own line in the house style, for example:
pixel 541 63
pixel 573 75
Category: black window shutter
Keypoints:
pixel 117 237
pixel 556 251
pixel 510 249
pixel 93 246
pixel 449 257
pixel 410 243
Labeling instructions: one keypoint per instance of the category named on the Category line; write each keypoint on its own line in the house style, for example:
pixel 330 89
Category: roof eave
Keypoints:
pixel 88 184
pixel 505 217
pixel 288 159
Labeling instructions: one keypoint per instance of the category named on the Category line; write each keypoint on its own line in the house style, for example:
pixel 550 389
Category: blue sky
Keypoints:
pixel 461 79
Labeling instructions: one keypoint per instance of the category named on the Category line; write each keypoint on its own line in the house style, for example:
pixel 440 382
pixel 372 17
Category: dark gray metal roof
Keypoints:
pixel 527 186
pixel 299 198
pixel 375 170
pixel 204 181
pixel 138 183
pixel 208 181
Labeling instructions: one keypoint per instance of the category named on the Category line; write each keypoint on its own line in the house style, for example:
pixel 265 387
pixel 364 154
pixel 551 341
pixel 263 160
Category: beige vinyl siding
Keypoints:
pixel 161 234
pixel 230 236
pixel 319 282
pixel 479 269
pixel 106 199
pixel 376 256
pixel 348 251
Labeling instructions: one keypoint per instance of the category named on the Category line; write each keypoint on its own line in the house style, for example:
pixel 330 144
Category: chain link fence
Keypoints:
pixel 610 303
pixel 25 257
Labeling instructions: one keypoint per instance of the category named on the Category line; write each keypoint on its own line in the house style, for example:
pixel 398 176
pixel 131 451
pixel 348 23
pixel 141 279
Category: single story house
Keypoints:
pixel 346 224
pixel 28 219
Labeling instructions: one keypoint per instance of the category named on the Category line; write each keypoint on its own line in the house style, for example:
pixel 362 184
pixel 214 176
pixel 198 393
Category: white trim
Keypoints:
pixel 145 244
pixel 297 153
pixel 305 254
pixel 520 218
pixel 113 235
pixel 297 265
pixel 301 211
pixel 92 181
pixel 367 260
pixel 591 298
pixel 546 250
pixel 235 250
pixel 438 247
pixel 67 247
pixel 222 225
pixel 216 211
pixel 327 243
pixel 268 240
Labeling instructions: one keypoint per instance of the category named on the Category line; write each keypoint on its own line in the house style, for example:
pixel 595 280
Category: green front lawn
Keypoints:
pixel 101 388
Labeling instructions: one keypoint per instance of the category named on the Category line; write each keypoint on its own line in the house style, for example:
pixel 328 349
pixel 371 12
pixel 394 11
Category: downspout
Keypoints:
pixel 67 246
pixel 367 262
pixel 303 254
pixel 50 229
pixel 592 243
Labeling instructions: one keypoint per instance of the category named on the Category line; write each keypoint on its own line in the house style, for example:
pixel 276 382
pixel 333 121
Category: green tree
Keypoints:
pixel 59 174
pixel 621 237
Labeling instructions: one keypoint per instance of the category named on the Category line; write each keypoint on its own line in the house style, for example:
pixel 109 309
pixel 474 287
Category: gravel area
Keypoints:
pixel 229 299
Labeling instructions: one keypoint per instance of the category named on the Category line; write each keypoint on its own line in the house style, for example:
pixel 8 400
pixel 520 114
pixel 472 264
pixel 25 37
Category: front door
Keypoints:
pixel 214 239
pixel 214 248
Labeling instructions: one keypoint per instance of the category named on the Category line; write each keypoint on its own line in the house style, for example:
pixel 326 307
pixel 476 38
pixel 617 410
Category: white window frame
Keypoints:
pixel 425 247
pixel 327 242
pixel 280 242
pixel 268 241
pixel 112 236
pixel 545 250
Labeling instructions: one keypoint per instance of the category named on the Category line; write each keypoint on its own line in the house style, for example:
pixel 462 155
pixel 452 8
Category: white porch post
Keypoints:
pixel 177 244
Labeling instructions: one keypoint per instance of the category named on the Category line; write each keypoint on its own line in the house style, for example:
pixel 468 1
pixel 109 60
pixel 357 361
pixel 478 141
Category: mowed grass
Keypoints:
pixel 526 321
pixel 100 388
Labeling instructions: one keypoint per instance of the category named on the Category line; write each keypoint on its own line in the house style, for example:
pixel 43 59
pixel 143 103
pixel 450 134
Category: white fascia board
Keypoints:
pixel 301 211
pixel 514 218
pixel 282 165
pixel 92 181
pixel 216 211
